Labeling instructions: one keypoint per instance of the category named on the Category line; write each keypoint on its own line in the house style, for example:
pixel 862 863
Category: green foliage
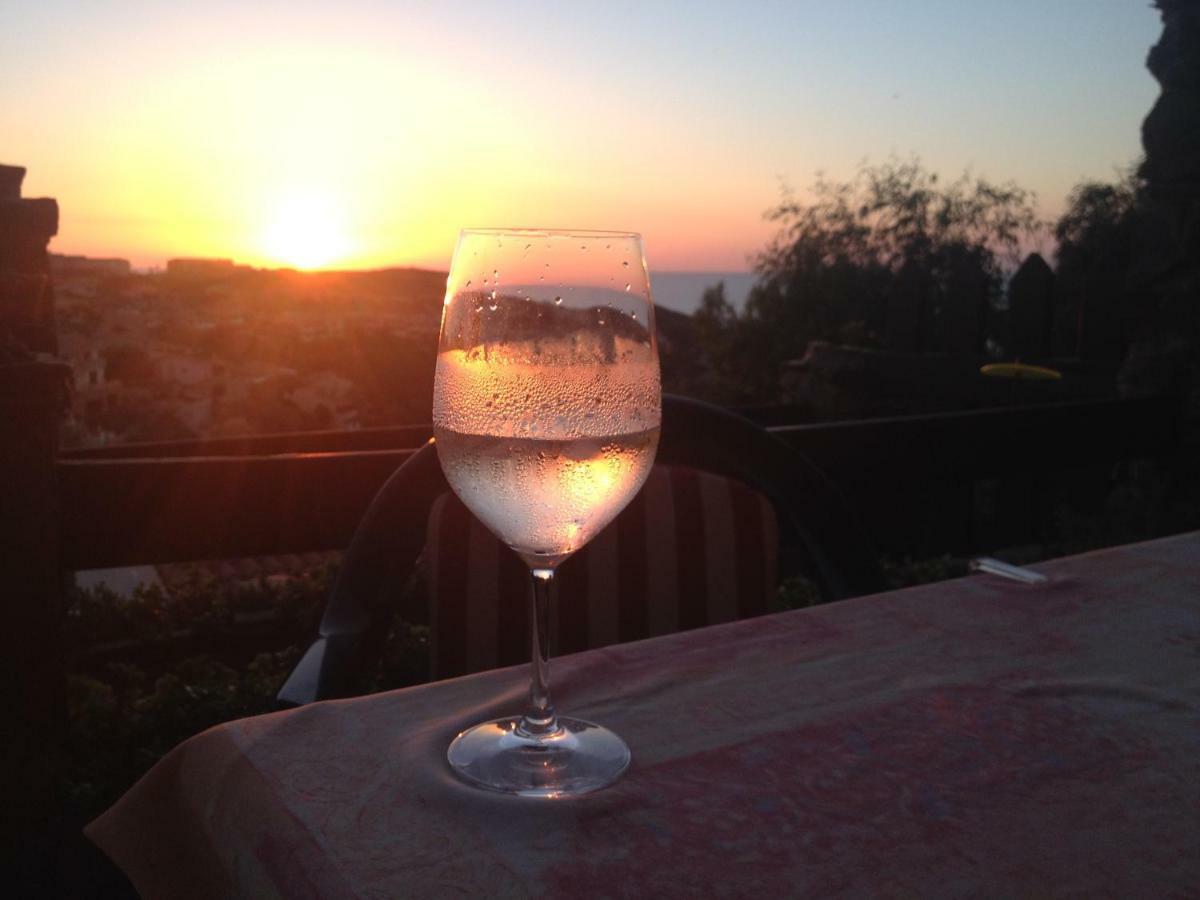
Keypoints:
pixel 1141 500
pixel 202 605
pixel 122 720
pixel 797 592
pixel 907 572
pixel 149 671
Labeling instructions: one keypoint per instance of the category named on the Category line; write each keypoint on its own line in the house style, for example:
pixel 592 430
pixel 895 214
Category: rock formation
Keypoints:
pixel 1166 354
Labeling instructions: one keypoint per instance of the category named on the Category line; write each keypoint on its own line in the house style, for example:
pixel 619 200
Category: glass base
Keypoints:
pixel 576 759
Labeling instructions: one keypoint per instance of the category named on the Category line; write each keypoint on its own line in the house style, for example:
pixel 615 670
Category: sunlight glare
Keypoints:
pixel 307 232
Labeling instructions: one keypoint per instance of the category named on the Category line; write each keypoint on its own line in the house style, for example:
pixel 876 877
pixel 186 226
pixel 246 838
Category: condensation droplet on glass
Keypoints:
pixel 628 287
pixel 625 264
pixel 493 307
pixel 468 284
pixel 583 247
pixel 494 293
pixel 541 278
pixel 528 246
pixel 496 274
pixel 608 246
pixel 558 301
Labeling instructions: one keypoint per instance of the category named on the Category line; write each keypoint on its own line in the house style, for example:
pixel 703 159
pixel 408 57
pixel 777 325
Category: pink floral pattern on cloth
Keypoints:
pixel 974 737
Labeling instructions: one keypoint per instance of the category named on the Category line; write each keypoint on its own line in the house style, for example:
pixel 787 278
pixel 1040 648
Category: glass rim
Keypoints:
pixel 553 232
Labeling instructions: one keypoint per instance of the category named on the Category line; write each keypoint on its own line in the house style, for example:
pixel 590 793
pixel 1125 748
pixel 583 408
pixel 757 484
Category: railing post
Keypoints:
pixel 33 394
pixel 32 687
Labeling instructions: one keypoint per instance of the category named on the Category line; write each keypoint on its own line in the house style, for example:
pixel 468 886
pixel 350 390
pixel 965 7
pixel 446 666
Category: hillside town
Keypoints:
pixel 208 348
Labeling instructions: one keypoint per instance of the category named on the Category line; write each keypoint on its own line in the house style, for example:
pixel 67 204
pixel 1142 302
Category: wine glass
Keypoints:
pixel 547 403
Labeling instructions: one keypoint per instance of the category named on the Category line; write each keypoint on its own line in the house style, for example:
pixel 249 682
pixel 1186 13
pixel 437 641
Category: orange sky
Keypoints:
pixel 294 134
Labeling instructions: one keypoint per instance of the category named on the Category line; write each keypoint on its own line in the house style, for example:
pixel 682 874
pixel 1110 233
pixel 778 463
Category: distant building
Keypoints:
pixel 185 369
pixel 83 266
pixel 202 268
pixel 93 393
pixel 332 392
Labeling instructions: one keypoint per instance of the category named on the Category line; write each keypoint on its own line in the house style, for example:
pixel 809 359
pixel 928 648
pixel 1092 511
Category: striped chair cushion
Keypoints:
pixel 691 549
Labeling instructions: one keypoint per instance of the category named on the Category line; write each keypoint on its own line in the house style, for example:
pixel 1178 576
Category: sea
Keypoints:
pixel 682 291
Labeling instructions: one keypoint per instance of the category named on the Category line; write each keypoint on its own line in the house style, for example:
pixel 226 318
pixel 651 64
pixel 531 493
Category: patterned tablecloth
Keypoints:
pixel 971 737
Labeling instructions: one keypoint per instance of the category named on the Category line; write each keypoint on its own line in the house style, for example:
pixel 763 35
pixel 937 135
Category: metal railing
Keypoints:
pixel 231 497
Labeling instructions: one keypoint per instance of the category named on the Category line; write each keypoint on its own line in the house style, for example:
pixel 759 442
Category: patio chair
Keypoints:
pixel 727 510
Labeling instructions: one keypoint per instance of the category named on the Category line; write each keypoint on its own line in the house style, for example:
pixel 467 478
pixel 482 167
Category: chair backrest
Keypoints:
pixel 691 549
pixel 819 536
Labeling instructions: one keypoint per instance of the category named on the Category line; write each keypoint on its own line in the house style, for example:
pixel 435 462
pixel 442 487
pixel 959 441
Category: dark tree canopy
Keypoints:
pixel 1097 214
pixel 1097 246
pixel 894 259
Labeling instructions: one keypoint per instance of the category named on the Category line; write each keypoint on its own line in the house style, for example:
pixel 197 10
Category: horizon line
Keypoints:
pixel 145 270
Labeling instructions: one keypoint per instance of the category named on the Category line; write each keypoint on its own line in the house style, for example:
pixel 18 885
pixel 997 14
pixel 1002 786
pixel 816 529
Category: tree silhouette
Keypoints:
pixel 1097 245
pixel 893 259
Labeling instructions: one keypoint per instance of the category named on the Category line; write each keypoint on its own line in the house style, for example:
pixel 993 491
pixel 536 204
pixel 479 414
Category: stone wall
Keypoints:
pixel 26 295
pixel 33 395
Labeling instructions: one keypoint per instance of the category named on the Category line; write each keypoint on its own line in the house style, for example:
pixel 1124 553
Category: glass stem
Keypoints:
pixel 540 720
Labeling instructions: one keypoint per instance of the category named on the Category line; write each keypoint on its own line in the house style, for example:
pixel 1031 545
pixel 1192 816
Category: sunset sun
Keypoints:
pixel 306 231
